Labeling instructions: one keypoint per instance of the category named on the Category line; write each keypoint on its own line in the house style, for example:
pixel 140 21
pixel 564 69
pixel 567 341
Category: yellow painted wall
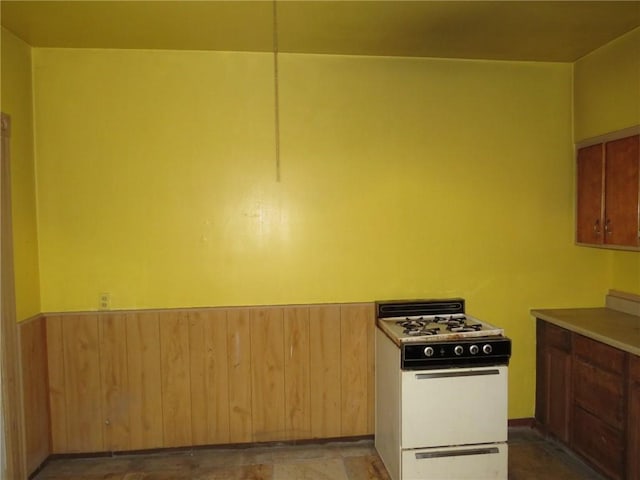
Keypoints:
pixel 607 88
pixel 16 100
pixel 607 98
pixel 400 178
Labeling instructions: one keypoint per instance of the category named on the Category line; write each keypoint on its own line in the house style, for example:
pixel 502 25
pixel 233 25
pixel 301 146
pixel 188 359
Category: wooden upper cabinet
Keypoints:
pixel 608 190
pixel 621 191
pixel 590 173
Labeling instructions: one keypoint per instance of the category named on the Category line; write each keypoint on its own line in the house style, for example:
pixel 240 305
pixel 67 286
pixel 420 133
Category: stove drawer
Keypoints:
pixel 472 462
pixel 456 406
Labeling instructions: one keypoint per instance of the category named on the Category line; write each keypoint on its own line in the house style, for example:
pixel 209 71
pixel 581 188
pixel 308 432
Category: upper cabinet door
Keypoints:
pixel 608 191
pixel 590 183
pixel 621 191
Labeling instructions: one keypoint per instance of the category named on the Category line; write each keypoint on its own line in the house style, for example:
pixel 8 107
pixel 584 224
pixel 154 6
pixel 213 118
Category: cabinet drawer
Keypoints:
pixel 599 354
pixel 476 462
pixel 553 336
pixel 634 369
pixel 599 443
pixel 633 432
pixel 599 392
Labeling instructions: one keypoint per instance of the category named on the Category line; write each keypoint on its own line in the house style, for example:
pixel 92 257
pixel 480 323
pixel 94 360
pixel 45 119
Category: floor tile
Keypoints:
pixel 353 449
pixel 367 467
pixel 303 452
pixel 523 434
pixel 531 457
pixel 182 462
pixel 241 472
pixel 533 461
pixel 233 457
pixel 329 469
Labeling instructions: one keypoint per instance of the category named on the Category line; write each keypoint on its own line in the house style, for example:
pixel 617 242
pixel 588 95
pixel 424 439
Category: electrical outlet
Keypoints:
pixel 105 301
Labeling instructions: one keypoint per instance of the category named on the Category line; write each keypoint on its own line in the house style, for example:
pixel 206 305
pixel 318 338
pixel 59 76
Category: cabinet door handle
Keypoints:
pixel 607 227
pixel 596 227
pixel 456 453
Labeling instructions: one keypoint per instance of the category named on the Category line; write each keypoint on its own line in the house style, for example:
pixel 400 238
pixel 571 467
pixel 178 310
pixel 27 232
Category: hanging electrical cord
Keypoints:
pixel 276 90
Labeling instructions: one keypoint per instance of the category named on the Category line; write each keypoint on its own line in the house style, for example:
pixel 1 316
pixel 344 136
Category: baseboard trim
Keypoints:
pixel 39 468
pixel 522 422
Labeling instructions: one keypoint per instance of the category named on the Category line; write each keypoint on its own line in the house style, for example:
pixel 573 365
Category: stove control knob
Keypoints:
pixel 428 352
pixel 473 349
pixel 487 349
pixel 458 350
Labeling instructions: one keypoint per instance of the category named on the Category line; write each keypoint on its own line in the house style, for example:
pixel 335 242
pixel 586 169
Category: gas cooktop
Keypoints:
pixel 431 321
pixel 439 334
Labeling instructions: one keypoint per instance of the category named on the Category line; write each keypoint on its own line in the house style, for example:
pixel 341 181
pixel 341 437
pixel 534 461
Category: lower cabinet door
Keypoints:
pixel 488 461
pixel 599 443
pixel 633 420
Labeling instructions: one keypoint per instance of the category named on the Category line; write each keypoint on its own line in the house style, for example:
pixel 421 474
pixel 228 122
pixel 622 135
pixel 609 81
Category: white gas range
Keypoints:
pixel 441 392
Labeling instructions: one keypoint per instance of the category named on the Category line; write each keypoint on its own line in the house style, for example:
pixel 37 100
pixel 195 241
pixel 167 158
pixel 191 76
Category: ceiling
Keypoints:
pixel 556 31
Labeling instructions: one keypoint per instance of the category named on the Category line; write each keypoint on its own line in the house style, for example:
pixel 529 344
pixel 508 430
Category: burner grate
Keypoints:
pixel 417 327
pixel 427 327
pixel 476 327
pixel 415 332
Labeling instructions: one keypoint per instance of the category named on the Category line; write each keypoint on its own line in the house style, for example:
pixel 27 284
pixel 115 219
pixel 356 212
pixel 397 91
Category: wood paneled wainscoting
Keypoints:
pixel 33 351
pixel 117 381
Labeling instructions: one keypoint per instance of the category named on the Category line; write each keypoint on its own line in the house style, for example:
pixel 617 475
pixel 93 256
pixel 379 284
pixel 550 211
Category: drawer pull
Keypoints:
pixel 457 453
pixel 473 373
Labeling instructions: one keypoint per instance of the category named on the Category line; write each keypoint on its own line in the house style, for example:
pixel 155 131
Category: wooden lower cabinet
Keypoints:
pixel 599 405
pixel 553 381
pixel 599 392
pixel 633 420
pixel 588 396
pixel 599 443
pixel 146 380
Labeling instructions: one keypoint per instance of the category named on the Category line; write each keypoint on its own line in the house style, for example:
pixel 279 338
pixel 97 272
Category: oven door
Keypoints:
pixel 472 462
pixel 455 406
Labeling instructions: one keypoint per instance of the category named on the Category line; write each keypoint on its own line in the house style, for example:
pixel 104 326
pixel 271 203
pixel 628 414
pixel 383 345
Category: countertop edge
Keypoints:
pixel 542 315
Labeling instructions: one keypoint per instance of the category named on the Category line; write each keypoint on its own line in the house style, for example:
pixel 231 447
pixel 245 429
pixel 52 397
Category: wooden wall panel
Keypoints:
pixel 143 372
pixel 112 330
pixel 209 377
pixel 133 381
pixel 324 351
pixel 33 348
pixel 82 383
pixel 371 363
pixel 12 433
pixel 354 320
pixel 57 391
pixel 267 374
pixel 239 349
pixel 176 385
pixel 297 401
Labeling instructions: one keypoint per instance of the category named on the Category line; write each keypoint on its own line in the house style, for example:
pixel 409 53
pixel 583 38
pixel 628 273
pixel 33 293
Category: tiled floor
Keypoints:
pixel 530 457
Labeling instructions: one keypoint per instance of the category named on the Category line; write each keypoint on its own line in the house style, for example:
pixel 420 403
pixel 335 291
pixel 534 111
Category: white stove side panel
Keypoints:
pixel 387 406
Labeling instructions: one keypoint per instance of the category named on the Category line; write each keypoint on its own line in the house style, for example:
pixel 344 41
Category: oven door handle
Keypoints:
pixel 470 373
pixel 457 453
